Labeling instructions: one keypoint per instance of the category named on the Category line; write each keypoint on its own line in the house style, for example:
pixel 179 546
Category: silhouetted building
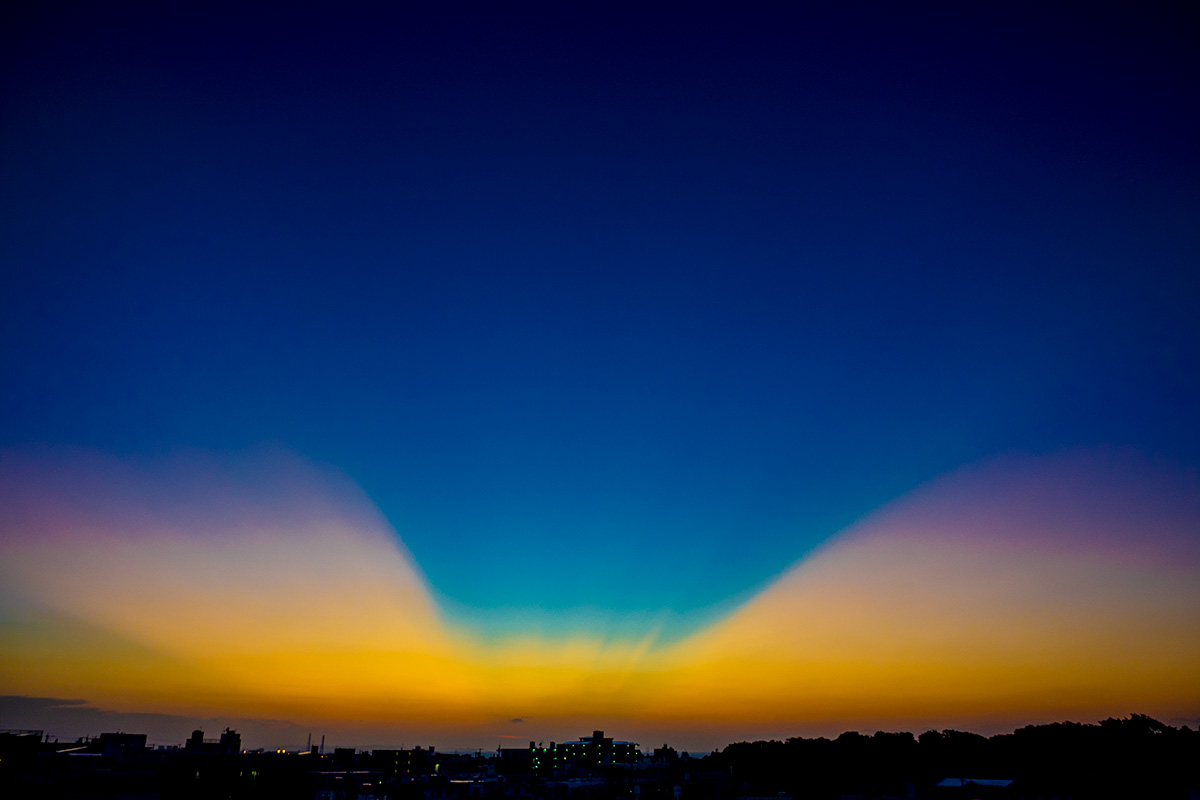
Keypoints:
pixel 229 744
pixel 599 749
pixel 414 763
pixel 589 751
pixel 515 760
pixel 120 745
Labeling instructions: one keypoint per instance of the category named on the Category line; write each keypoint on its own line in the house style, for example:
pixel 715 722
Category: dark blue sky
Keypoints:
pixel 613 307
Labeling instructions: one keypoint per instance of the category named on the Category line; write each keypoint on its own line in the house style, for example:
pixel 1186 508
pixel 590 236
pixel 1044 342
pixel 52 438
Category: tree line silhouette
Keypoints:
pixel 1137 756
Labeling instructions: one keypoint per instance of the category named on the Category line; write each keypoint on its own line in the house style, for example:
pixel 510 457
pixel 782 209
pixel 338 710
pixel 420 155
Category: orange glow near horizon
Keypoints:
pixel 1025 589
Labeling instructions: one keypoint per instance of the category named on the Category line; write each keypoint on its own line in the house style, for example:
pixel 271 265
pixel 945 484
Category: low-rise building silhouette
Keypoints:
pixel 229 743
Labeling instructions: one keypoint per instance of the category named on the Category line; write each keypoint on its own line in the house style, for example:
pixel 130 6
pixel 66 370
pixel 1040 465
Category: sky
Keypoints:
pixel 697 372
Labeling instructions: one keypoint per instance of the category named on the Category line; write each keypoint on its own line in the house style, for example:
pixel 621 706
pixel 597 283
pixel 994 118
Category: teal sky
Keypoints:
pixel 614 314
